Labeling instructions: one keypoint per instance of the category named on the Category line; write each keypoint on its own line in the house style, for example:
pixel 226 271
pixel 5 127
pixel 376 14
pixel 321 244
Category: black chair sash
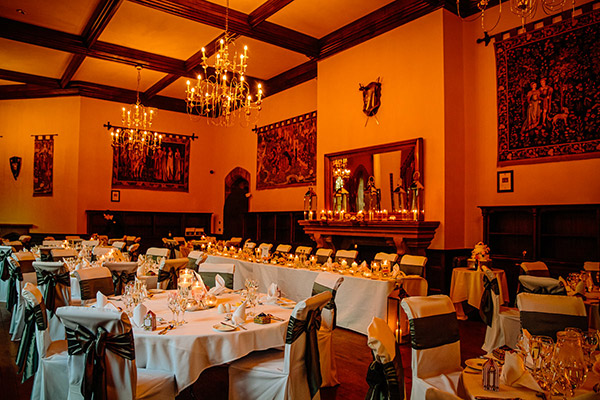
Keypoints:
pixel 543 273
pixel 547 324
pixel 409 269
pixel 52 283
pixel 209 278
pixel 121 279
pixel 558 290
pixel 318 288
pixel 310 325
pixel 170 275
pixel 425 332
pixel 386 381
pixel 27 355
pixel 90 287
pixel 172 247
pixel 4 267
pixel 486 306
pixel 14 275
pixel 93 347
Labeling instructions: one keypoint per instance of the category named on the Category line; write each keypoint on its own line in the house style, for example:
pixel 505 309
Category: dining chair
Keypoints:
pixel 5 256
pixel 541 285
pixel 390 257
pixel 413 265
pixel 21 271
pixel 59 254
pixel 122 273
pixel 119 245
pixel 195 258
pixel 38 354
pixel 385 375
pixel 93 280
pixel 435 351
pixel 156 253
pixel 52 243
pixel 209 271
pixel 173 247
pixel 54 281
pixel 250 245
pixel 323 255
pixel 168 271
pixel 306 250
pixel 543 314
pixel 348 255
pixel 537 268
pixel 496 318
pixel 591 266
pixel 25 240
pixel 283 248
pixel 327 282
pixel 17 245
pixel 90 243
pixel 289 374
pixel 100 251
pixel 265 249
pixel 234 241
pixel 134 251
pixel 111 331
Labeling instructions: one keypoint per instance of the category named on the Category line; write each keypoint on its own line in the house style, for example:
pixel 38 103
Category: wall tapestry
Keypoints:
pixel 549 93
pixel 287 153
pixel 164 169
pixel 43 162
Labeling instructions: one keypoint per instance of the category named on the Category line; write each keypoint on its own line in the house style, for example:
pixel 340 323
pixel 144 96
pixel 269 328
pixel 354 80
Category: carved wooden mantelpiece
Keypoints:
pixel 409 237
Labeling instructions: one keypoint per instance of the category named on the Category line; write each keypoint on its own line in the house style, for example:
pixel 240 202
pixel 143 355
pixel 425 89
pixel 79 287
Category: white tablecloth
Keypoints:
pixel 467 285
pixel 3 290
pixel 189 349
pixel 358 299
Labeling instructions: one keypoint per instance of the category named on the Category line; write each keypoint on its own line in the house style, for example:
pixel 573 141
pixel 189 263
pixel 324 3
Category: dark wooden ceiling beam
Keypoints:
pixel 214 15
pixel 74 64
pixel 28 78
pixel 290 78
pixel 102 15
pixel 265 10
pixel 160 85
pixel 13 92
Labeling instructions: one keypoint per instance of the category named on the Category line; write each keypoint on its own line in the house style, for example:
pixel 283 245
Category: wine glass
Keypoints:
pixel 173 306
pixel 568 363
pixel 182 304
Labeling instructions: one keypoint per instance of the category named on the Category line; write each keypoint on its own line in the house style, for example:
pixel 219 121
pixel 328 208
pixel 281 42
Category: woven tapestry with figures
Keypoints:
pixel 549 92
pixel 287 153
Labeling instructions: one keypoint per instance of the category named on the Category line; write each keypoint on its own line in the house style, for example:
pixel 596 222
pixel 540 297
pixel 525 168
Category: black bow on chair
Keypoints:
pixel 14 275
pixel 82 341
pixel 318 288
pixel 383 380
pixel 4 268
pixel 486 306
pixel 170 275
pixel 121 279
pixel 51 280
pixel 27 355
pixel 310 325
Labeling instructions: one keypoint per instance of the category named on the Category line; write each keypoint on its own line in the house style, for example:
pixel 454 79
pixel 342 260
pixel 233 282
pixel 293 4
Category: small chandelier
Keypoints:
pixel 340 172
pixel 137 121
pixel 222 92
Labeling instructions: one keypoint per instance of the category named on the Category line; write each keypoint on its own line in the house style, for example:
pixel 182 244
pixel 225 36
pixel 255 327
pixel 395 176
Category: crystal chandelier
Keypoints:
pixel 137 121
pixel 340 172
pixel 222 92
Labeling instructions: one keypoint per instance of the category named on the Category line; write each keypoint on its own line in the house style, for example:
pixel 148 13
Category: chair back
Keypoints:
pixel 59 254
pixel 234 241
pixel 306 250
pixel 90 243
pixel 25 260
pixel 328 282
pixel 209 271
pixel 17 245
pixel 5 256
pixel 157 253
pixel 190 231
pixel 168 271
pixel 94 280
pixel 52 243
pixel 489 310
pixel 591 266
pixel 541 285
pixel 249 245
pixel 323 254
pixel 54 282
pixel 542 314
pixel 119 244
pixel 265 249
pixel 435 351
pixel 348 255
pixel 537 268
pixel 385 375
pixel 99 251
pixel 83 326
pixel 413 265
pixel 122 273
pixel 283 248
pixel 195 258
pixel 390 257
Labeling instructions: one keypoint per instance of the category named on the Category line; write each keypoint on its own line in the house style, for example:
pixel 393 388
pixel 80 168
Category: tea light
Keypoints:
pixel 210 300
pixel 344 264
pixel 310 215
pixel 322 215
pixel 354 265
pixel 329 214
pixel 367 274
pixel 203 246
pixel 384 215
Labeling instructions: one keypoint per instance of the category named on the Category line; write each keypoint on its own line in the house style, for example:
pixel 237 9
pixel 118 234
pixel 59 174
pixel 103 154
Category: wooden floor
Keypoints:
pixel 352 355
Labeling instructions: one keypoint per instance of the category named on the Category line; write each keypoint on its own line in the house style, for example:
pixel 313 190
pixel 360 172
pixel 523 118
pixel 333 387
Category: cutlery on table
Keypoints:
pixel 166 329
pixel 275 318
pixel 231 326
pixel 496 398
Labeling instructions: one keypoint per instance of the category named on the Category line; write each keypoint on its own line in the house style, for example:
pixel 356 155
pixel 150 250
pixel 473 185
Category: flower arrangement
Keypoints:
pixel 480 252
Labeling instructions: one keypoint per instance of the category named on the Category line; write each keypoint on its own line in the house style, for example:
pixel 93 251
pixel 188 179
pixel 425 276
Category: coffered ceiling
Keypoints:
pixel 91 47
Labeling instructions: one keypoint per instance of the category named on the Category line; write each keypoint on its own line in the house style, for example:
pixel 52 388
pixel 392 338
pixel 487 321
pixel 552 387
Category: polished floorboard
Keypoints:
pixel 352 356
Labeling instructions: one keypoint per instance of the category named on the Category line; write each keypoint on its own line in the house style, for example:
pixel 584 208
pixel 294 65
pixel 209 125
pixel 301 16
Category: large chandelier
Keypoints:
pixel 222 92
pixel 135 133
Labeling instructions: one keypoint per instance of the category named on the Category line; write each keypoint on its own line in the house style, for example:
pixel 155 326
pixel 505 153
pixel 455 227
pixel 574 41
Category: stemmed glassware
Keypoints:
pixel 568 363
pixel 251 294
pixel 173 304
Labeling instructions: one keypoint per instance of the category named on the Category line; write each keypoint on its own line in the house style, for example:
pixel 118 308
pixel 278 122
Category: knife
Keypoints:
pixel 166 329
pixel 496 398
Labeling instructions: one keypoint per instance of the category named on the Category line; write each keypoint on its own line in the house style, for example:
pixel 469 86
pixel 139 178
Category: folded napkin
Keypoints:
pixel 219 286
pixel 200 280
pixel 273 293
pixel 580 288
pixel 397 272
pixel 363 267
pixel 139 314
pixel 329 262
pixel 514 373
pixel 239 315
pixel 102 302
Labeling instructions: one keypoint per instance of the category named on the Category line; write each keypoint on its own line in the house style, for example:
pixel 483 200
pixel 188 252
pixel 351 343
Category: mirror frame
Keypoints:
pixel 383 148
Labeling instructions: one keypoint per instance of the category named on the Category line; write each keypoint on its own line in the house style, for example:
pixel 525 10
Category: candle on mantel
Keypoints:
pixel 354 265
pixel 329 214
pixel 322 215
pixel 344 264
pixel 404 214
pixel 384 215
pixel 342 215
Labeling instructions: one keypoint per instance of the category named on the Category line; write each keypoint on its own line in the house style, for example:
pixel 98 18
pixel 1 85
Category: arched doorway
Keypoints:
pixel 237 185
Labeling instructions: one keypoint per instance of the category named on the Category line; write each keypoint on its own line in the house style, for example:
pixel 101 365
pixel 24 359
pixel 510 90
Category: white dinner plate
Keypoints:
pixel 155 291
pixel 223 328
pixel 476 363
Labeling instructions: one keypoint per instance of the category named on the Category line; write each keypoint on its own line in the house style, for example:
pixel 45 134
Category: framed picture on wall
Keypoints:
pixel 505 181
pixel 115 196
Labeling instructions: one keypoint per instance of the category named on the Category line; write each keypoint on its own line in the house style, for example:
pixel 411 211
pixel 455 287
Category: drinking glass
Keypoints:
pixel 589 344
pixel 173 306
pixel 568 363
pixel 182 304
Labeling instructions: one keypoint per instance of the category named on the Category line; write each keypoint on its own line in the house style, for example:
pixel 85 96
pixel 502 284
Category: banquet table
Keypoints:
pixel 358 299
pixel 189 349
pixel 467 285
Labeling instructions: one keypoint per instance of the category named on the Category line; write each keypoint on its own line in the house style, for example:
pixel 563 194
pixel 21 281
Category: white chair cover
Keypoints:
pixel 390 257
pixel 265 249
pixel 306 250
pixel 543 314
pixel 99 251
pixel 435 352
pixel 234 241
pixel 284 248
pixel 249 245
pixel 208 271
pixel 59 254
pixel 323 254
pixel 21 271
pixel 591 266
pixel 123 380
pixel 277 375
pixel 348 255
pixel 541 285
pixel 413 285
pixel 54 282
pixel 119 244
pixel 413 265
pixel 51 379
pixel 157 253
pixel 505 324
pixel 94 280
pixel 52 243
pixel 169 271
pixel 385 367
pixel 90 243
pixel 195 258
pixel 327 281
pixel 122 273
pixel 537 268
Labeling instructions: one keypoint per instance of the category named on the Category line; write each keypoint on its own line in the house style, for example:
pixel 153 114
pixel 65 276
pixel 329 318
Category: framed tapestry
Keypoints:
pixel 287 153
pixel 549 93
pixel 43 165
pixel 166 168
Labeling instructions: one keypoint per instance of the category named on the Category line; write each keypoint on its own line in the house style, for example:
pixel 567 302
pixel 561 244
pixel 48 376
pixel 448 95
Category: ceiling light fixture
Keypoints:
pixel 222 92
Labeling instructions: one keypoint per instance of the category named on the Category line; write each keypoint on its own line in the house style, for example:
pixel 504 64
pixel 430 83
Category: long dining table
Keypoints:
pixel 358 299
pixel 189 349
